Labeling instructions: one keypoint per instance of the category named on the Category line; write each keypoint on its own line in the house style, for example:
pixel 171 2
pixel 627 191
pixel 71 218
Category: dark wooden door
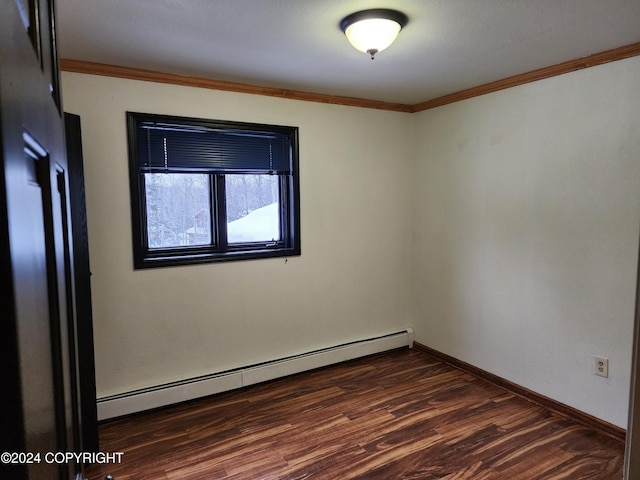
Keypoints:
pixel 38 347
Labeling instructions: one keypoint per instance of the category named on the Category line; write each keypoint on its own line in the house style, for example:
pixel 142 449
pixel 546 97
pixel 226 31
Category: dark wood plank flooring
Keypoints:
pixel 398 415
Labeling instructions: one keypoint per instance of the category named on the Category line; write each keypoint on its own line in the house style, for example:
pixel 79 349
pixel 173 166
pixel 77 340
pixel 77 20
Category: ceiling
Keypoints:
pixel 447 46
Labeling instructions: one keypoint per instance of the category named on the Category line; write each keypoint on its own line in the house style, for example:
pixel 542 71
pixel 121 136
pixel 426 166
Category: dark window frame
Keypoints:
pixel 219 250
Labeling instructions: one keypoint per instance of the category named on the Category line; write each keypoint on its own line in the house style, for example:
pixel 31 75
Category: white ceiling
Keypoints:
pixel 447 46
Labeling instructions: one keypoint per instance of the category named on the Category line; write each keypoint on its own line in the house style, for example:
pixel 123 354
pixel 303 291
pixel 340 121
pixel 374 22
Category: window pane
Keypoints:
pixel 178 209
pixel 253 208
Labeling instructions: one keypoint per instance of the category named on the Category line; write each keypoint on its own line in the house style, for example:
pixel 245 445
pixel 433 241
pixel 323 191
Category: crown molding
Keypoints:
pixel 91 68
pixel 607 56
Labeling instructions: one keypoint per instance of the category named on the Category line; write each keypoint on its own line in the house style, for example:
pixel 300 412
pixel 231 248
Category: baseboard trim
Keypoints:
pixel 189 389
pixel 559 408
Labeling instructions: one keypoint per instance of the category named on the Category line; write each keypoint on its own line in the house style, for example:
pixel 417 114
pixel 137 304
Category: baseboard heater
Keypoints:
pixel 190 389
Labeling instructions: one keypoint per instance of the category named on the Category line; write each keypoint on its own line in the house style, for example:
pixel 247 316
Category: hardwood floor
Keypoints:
pixel 398 415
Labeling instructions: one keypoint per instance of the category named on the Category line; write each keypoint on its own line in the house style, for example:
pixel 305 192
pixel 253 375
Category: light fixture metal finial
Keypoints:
pixel 371 31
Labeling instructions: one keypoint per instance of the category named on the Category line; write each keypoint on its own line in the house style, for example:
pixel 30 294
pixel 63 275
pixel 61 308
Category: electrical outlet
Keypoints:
pixel 601 366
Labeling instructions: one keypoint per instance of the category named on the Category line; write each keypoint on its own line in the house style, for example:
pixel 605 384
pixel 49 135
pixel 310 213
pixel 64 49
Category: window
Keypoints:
pixel 207 190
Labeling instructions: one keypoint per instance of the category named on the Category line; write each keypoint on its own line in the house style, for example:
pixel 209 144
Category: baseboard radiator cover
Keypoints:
pixel 190 389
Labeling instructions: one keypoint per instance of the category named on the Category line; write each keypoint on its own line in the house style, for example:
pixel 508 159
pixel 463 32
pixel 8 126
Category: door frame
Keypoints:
pixel 632 443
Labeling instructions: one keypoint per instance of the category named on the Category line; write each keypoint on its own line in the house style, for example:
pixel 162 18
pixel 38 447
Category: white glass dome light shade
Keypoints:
pixel 372 35
pixel 371 31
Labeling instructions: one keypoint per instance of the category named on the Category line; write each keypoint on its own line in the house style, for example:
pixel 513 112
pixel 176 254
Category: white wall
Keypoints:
pixel 526 207
pixel 159 325
pixel 505 232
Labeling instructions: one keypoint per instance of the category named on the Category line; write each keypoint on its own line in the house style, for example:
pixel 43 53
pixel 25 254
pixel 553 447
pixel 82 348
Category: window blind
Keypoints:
pixel 163 147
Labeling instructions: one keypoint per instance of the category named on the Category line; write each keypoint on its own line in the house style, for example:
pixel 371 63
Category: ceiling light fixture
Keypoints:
pixel 371 31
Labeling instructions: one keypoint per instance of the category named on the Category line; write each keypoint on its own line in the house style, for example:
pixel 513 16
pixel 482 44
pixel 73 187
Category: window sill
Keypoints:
pixel 200 258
